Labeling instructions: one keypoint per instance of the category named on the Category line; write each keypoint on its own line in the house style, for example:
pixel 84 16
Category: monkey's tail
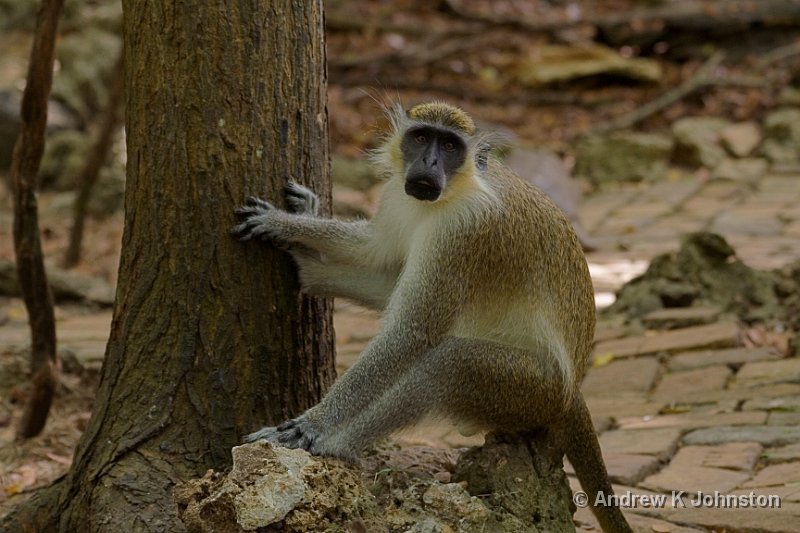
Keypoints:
pixel 580 443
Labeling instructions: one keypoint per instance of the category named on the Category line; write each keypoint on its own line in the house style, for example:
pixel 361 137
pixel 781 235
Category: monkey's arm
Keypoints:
pixel 420 313
pixel 365 286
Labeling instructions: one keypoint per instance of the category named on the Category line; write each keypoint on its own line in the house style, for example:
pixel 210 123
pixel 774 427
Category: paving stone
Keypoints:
pixel 722 190
pixel 625 468
pixel 609 332
pixel 634 375
pixel 732 455
pixel 784 418
pixel 782 454
pixel 782 403
pixel 677 225
pixel 736 520
pixel 660 442
pixel 731 357
pixel 753 225
pixel 790 493
pixel 767 372
pixel 769 391
pixel 792 230
pixel 671 192
pixel 747 170
pixel 693 478
pixel 680 317
pixel 780 474
pixel 675 385
pixel 720 335
pixel 596 208
pixel 766 435
pixel 622 406
pixel 688 421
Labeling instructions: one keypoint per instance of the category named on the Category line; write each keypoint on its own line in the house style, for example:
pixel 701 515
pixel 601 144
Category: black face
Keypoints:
pixel 432 155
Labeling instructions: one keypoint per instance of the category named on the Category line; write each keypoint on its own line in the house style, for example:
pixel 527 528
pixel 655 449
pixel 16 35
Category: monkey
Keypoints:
pixel 488 310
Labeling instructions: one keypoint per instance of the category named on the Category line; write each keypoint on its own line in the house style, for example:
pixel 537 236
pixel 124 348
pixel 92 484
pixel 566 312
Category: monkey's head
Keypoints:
pixel 431 147
pixel 434 148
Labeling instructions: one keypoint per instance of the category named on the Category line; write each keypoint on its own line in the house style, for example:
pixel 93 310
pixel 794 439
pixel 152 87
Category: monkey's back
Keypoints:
pixel 539 283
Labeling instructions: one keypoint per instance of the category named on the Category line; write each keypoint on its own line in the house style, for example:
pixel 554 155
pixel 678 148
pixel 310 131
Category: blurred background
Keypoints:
pixel 645 120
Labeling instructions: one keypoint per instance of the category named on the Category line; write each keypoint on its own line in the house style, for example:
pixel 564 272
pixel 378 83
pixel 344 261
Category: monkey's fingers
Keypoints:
pixel 251 228
pixel 300 199
pixel 254 201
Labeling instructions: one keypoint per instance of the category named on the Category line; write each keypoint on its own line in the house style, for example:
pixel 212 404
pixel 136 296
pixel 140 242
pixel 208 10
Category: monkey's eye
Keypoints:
pixel 449 146
pixel 421 138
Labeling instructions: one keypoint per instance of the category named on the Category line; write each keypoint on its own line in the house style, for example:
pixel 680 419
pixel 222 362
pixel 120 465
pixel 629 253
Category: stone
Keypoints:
pixel 680 317
pixel 625 468
pixel 675 385
pixel 747 170
pixel 730 357
pixel 742 519
pixel 634 375
pixel 269 484
pixel 697 141
pixel 765 435
pixel 782 403
pixel 719 335
pixel 782 136
pixel 742 393
pixel 741 139
pixel 625 156
pixel 768 372
pixel 780 474
pixel 694 420
pixel 782 454
pixel 784 418
pixel 622 406
pixel 693 478
pixel 630 469
pixel 661 442
pixel 732 456
pixel 730 223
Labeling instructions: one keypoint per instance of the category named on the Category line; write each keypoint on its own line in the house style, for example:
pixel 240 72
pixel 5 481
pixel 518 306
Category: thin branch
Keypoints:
pixel 25 163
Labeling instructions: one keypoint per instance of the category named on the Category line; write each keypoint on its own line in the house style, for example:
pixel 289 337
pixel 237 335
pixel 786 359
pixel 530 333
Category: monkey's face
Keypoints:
pixel 431 156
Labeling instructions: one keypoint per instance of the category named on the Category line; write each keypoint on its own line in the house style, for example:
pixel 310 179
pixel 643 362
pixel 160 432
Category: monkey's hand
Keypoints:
pixel 296 433
pixel 261 219
pixel 256 218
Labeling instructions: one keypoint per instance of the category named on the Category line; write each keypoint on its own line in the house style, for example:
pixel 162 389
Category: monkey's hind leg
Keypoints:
pixel 476 383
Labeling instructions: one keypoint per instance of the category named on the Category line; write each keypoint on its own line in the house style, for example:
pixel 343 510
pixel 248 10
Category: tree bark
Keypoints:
pixel 210 338
pixel 25 163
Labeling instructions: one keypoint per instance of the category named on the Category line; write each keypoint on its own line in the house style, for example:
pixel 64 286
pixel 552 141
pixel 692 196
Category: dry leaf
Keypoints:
pixel 602 359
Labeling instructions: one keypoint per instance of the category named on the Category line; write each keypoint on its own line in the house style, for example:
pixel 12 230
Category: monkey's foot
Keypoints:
pixel 301 200
pixel 296 433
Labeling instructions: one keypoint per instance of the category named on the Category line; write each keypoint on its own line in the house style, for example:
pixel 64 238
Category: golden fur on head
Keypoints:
pixel 444 114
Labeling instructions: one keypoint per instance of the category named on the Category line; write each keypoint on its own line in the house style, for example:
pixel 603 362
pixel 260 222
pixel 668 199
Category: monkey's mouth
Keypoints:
pixel 423 188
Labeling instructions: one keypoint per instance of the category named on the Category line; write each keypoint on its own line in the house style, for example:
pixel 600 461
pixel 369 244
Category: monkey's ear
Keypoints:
pixel 482 156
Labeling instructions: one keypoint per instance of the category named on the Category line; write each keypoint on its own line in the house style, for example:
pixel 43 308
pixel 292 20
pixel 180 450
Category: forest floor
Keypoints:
pixel 712 406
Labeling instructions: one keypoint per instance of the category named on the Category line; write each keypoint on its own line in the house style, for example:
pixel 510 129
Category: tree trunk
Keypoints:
pixel 210 338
